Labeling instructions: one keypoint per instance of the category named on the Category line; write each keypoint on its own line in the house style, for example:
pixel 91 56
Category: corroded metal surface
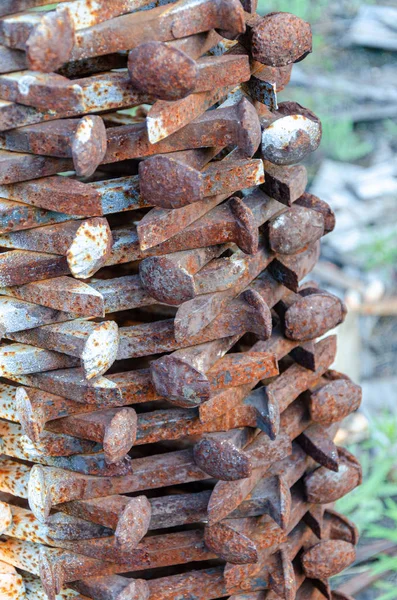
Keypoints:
pixel 167 425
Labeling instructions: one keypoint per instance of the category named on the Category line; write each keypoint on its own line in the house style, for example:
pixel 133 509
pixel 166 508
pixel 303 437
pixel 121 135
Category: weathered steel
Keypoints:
pixel 83 140
pixel 64 296
pixel 128 31
pixel 96 344
pixel 218 177
pixel 20 359
pixel 177 380
pixel 169 74
pixel 289 134
pixel 179 284
pixel 293 35
pixel 83 247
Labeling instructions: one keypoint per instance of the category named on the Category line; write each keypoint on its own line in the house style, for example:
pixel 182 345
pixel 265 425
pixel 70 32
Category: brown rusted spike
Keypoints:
pixel 161 224
pixel 177 75
pixel 219 177
pixel 285 269
pixel 317 444
pixel 114 428
pixel 229 544
pixel 286 184
pixel 72 384
pixel 289 134
pixel 293 35
pixel 113 587
pixel 83 248
pixel 273 399
pixel 271 293
pixel 48 487
pixel 311 201
pixel 96 344
pixel 181 266
pixel 340 527
pixel 228 445
pixel 189 377
pixel 62 294
pixel 83 140
pixel 126 32
pixel 35 408
pixel 313 315
pixel 327 558
pixel 236 125
pixel 301 223
pixel 323 486
pixel 247 313
pixel 154 273
pixel 196 314
pixel 282 579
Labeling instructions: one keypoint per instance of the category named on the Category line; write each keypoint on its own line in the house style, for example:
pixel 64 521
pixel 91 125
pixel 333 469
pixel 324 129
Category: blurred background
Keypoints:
pixel 350 82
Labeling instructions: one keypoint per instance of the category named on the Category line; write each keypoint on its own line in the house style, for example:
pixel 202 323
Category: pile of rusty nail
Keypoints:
pixel 167 399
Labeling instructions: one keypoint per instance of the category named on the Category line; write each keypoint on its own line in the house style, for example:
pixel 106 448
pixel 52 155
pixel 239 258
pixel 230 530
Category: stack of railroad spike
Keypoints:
pixel 167 411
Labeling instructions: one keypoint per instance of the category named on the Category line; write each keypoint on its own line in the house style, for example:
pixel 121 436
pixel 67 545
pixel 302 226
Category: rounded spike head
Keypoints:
pixel 176 288
pixel 100 349
pixel 281 39
pixel 133 523
pixel 162 71
pixel 89 145
pixel 221 459
pixel 168 183
pixel 327 558
pixel 120 435
pixel 90 248
pixel 50 44
pixel 180 382
pixel 230 545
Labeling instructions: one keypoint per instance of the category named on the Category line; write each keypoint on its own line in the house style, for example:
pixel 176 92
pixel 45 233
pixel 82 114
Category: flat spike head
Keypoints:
pixel 179 286
pixel 51 575
pixel 168 183
pixel 249 130
pixel 120 435
pixel 312 316
pixel 340 527
pixel 323 486
pixel 89 145
pixel 248 235
pixel 221 459
pixel 334 401
pixel 317 443
pixel 5 517
pixel 230 545
pixel 327 558
pixel 281 39
pixel 162 71
pixel 50 44
pixel 133 523
pixel 314 519
pixel 180 382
